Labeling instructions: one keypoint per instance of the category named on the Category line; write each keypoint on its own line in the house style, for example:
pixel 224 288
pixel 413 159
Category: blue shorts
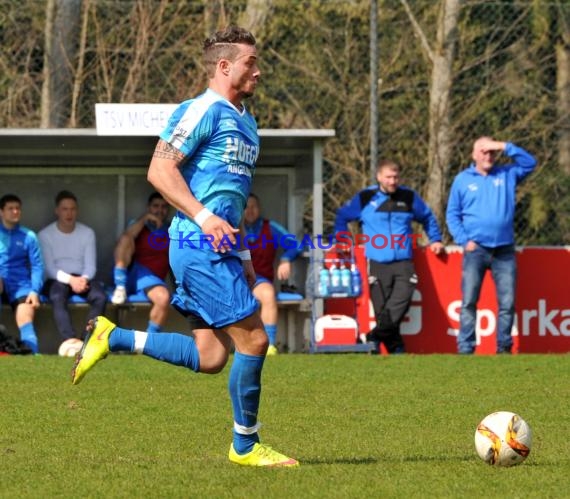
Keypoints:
pixel 141 279
pixel 16 289
pixel 211 285
pixel 259 279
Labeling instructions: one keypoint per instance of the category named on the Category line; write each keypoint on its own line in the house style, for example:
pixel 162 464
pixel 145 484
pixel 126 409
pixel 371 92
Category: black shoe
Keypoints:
pixel 399 350
pixel 374 348
pixel 503 351
pixel 372 337
pixel 289 288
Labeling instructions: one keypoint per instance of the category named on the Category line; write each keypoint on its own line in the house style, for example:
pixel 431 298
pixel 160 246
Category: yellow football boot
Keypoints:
pixel 95 347
pixel 261 455
pixel 272 350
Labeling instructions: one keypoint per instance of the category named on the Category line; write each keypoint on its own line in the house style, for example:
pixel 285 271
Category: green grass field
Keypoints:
pixel 362 426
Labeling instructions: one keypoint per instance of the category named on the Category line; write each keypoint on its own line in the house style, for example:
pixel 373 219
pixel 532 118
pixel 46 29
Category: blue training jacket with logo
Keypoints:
pixel 387 221
pixel 481 208
pixel 21 262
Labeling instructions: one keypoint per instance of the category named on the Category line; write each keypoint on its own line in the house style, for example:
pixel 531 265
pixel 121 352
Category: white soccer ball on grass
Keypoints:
pixel 503 439
pixel 70 347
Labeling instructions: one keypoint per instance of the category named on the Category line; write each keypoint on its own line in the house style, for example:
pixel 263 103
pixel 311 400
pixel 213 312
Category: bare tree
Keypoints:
pixel 79 74
pixel 563 98
pixel 511 77
pixel 255 14
pixel 215 16
pixel 441 57
pixel 563 90
pixel 63 19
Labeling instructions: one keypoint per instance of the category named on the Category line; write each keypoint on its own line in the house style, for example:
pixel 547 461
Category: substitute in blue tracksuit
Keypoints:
pixel 21 268
pixel 480 215
pixel 386 212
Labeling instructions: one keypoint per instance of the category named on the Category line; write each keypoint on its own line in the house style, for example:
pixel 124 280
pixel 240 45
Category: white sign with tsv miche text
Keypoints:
pixel 132 119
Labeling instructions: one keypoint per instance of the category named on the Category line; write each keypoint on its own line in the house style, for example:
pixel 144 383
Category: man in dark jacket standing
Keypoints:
pixel 480 215
pixel 386 212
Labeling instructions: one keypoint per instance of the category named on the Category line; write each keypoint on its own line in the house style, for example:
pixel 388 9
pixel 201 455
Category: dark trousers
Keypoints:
pixel 391 293
pixel 59 294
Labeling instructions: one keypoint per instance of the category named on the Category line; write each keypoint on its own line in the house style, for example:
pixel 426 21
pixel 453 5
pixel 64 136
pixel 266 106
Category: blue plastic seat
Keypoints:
pixel 134 298
pixel 282 296
pixel 140 297
pixel 77 299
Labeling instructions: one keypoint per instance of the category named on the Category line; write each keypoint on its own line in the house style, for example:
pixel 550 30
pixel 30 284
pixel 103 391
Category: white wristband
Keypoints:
pixel 244 255
pixel 63 277
pixel 202 216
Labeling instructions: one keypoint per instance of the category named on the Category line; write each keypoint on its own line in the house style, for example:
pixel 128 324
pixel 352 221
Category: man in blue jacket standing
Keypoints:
pixel 480 215
pixel 386 212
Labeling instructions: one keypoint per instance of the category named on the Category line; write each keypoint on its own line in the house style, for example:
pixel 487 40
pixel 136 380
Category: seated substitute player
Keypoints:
pixel 203 165
pixel 70 258
pixel 21 268
pixel 263 238
pixel 141 261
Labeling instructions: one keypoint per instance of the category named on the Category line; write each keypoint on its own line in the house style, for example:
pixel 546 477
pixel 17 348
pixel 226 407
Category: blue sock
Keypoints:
pixel 153 327
pixel 173 348
pixel 245 391
pixel 28 337
pixel 122 340
pixel 120 276
pixel 271 331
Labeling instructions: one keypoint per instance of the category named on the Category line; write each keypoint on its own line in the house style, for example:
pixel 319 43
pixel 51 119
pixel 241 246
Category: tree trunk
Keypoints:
pixel 79 73
pixel 255 15
pixel 63 20
pixel 439 151
pixel 215 17
pixel 563 97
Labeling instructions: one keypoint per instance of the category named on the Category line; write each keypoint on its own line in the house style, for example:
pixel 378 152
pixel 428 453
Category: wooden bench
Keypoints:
pixel 290 303
pixel 134 314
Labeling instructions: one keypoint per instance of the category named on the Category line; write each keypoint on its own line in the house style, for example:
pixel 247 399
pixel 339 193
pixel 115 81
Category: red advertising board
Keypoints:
pixel 542 321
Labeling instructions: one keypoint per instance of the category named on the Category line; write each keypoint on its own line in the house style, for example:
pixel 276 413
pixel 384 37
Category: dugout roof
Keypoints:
pixel 41 152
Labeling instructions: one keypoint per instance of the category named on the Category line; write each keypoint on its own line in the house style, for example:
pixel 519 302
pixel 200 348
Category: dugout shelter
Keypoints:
pixel 106 169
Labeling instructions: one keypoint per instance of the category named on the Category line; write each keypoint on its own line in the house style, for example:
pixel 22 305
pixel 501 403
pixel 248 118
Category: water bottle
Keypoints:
pixel 335 278
pixel 356 280
pixel 324 281
pixel 346 280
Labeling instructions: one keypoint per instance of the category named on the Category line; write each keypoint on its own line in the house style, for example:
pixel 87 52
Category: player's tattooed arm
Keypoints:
pixel 164 150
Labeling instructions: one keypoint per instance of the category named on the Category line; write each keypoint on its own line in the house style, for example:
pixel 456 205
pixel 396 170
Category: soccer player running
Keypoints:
pixel 203 165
